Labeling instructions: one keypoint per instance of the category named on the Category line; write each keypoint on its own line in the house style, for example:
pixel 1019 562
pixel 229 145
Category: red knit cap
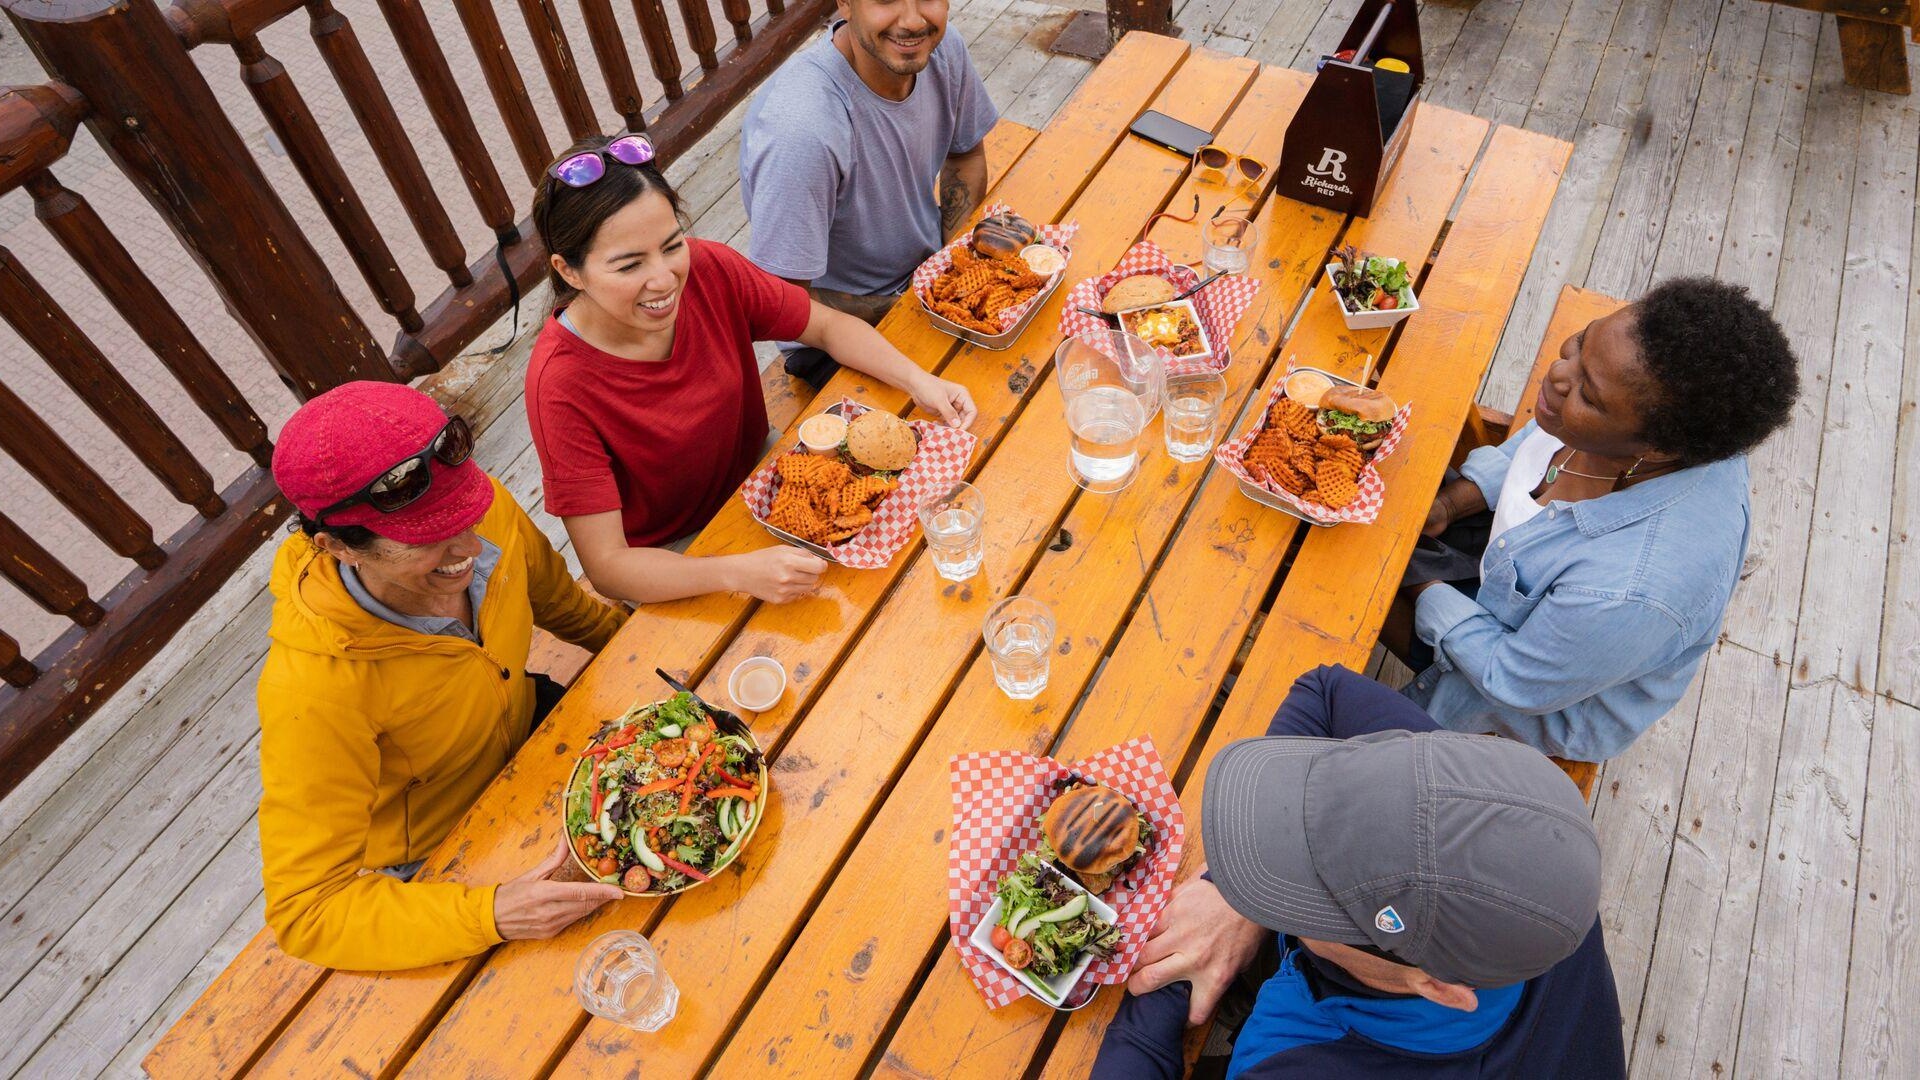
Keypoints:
pixel 337 443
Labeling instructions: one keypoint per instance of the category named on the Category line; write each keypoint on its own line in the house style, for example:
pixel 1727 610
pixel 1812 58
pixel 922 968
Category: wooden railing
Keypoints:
pixel 125 70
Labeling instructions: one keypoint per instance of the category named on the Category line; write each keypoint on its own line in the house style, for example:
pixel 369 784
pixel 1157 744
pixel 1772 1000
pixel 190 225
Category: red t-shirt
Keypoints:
pixel 664 443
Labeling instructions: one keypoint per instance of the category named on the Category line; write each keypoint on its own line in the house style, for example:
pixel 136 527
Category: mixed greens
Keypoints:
pixel 1046 924
pixel 1371 283
pixel 661 798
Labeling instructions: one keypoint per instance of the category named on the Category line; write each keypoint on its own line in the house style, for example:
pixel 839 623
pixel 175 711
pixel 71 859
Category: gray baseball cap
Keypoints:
pixel 1468 856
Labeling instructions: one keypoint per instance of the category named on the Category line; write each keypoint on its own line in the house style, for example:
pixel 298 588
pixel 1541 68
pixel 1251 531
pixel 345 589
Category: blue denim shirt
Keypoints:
pixel 1593 616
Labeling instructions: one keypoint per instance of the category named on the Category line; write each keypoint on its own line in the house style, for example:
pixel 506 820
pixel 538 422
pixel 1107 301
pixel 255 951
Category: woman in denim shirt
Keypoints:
pixel 1614 526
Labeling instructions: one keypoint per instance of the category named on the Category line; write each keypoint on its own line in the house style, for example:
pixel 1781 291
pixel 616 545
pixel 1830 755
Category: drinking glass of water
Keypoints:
pixel 1110 381
pixel 956 525
pixel 619 978
pixel 1019 637
pixel 1228 244
pixel 1191 406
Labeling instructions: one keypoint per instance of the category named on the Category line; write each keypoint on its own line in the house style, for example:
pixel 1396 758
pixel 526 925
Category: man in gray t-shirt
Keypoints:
pixel 841 151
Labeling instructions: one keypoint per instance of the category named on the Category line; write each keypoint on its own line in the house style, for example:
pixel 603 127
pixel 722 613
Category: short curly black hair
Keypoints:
pixel 1723 375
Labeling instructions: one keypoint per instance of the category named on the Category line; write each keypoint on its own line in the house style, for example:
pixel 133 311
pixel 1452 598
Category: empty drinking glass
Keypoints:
pixel 1228 244
pixel 1019 637
pixel 1110 381
pixel 956 525
pixel 619 978
pixel 1191 408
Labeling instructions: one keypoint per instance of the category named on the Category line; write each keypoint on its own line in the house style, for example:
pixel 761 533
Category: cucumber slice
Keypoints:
pixel 1072 909
pixel 670 731
pixel 645 854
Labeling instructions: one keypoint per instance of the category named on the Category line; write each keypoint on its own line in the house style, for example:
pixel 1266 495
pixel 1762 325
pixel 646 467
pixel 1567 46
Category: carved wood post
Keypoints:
pixel 163 127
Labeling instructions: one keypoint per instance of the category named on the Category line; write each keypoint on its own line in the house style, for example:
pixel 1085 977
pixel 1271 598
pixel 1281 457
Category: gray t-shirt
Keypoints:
pixel 838 180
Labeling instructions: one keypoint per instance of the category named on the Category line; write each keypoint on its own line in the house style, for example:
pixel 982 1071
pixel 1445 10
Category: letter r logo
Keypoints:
pixel 1331 161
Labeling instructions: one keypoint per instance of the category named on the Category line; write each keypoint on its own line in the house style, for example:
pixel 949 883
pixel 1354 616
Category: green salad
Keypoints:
pixel 1371 283
pixel 1046 925
pixel 661 799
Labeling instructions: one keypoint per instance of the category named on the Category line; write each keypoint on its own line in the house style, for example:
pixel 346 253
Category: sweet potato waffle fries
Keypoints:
pixel 978 288
pixel 821 500
pixel 1290 453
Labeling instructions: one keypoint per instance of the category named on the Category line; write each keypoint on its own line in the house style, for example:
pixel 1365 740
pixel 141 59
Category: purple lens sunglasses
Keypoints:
pixel 584 168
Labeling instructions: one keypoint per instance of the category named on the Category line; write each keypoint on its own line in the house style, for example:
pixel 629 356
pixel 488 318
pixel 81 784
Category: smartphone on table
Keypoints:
pixel 1162 130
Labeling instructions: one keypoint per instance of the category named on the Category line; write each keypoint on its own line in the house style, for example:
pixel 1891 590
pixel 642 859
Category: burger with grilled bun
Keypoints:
pixel 1096 834
pixel 1360 412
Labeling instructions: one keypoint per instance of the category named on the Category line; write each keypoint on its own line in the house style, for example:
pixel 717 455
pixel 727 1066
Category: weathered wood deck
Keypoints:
pixel 1762 884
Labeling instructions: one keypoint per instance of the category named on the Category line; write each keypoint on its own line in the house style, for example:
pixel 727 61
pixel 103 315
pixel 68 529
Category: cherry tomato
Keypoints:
pixel 1000 936
pixel 583 847
pixel 1018 953
pixel 699 733
pixel 671 753
pixel 608 865
pixel 1389 303
pixel 636 879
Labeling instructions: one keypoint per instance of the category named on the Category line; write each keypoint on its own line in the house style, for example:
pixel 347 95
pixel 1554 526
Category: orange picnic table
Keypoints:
pixel 1184 609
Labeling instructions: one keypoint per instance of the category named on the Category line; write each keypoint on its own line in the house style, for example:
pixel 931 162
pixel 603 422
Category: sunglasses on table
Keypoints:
pixel 403 483
pixel 1216 164
pixel 579 170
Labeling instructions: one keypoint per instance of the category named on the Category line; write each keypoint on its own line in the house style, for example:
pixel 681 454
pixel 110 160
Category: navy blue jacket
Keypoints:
pixel 1305 1023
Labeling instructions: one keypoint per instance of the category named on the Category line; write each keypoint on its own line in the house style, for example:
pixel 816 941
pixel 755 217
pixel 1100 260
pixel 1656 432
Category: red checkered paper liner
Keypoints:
pixel 1059 236
pixel 1220 304
pixel 998 797
pixel 1364 508
pixel 939 463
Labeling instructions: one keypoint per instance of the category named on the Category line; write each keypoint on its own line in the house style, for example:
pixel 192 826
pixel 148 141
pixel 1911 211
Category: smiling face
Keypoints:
pixel 634 268
pixel 899 35
pixel 413 579
pixel 1594 396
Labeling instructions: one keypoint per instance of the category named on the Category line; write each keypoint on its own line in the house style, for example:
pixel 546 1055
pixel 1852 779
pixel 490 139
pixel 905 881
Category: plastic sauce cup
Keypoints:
pixel 757 684
pixel 823 433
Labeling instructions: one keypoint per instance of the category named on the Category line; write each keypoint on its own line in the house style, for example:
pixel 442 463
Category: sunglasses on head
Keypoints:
pixel 579 170
pixel 1217 164
pixel 404 482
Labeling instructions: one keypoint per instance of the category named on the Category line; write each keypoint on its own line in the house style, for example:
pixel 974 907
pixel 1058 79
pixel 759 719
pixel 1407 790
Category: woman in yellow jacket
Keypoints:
pixel 395 686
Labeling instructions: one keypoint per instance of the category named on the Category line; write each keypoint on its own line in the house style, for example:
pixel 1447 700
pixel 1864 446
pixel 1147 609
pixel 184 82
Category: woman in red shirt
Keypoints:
pixel 643 392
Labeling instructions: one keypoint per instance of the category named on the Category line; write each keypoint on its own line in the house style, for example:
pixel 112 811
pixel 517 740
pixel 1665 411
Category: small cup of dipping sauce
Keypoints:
pixel 822 434
pixel 758 683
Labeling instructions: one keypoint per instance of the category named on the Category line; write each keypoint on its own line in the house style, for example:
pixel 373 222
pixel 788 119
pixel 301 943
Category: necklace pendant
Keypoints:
pixel 1553 473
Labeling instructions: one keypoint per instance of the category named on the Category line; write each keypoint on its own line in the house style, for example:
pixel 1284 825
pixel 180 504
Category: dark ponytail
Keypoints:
pixel 568 217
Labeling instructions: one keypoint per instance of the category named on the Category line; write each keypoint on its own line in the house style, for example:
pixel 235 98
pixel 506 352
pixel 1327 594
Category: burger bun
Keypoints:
pixel 1138 291
pixel 881 441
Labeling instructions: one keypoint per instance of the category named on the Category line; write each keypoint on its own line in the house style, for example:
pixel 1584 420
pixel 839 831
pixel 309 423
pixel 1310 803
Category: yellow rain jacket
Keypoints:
pixel 375 739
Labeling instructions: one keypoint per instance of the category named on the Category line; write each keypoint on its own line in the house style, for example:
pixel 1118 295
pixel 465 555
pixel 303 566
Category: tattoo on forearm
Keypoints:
pixel 956 200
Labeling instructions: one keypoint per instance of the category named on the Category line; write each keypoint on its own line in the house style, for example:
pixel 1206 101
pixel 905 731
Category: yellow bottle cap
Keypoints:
pixel 1390 64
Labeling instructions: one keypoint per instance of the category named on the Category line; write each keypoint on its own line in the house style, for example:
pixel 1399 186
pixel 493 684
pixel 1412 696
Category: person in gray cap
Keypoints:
pixel 1435 893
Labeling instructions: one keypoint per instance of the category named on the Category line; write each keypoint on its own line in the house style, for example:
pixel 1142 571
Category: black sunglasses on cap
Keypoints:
pixel 404 482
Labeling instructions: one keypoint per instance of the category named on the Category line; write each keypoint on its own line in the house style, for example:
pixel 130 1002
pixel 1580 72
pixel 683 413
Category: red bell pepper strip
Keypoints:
pixel 734 780
pixel 657 785
pixel 693 776
pixel 733 793
pixel 593 777
pixel 676 864
pixel 595 751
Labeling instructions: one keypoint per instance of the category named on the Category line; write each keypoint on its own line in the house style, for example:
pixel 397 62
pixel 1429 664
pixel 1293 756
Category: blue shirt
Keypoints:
pixel 1593 616
pixel 483 565
pixel 839 181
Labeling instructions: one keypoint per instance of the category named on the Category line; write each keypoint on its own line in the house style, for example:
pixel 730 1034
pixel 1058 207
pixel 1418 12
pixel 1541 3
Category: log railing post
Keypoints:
pixel 162 125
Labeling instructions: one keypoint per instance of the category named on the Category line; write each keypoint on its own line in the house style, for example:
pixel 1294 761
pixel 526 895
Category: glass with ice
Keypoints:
pixel 1019 637
pixel 1110 382
pixel 955 522
pixel 619 978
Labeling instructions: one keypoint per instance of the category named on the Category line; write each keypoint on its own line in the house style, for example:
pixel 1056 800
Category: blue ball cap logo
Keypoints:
pixel 1388 920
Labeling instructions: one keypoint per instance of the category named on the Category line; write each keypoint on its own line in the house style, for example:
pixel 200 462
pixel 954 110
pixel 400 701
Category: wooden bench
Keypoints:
pixel 1873 48
pixel 1485 427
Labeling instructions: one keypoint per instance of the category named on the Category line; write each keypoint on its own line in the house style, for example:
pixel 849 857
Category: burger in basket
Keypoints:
pixel 1096 833
pixel 999 269
pixel 828 495
pixel 1359 412
pixel 1316 437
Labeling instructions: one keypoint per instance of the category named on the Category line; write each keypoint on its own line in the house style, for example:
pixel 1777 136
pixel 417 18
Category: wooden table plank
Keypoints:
pixel 809 637
pixel 376 1020
pixel 841 962
pixel 1436 366
pixel 1168 666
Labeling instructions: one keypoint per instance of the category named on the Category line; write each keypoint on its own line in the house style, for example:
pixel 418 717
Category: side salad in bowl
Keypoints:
pixel 1046 929
pixel 664 797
